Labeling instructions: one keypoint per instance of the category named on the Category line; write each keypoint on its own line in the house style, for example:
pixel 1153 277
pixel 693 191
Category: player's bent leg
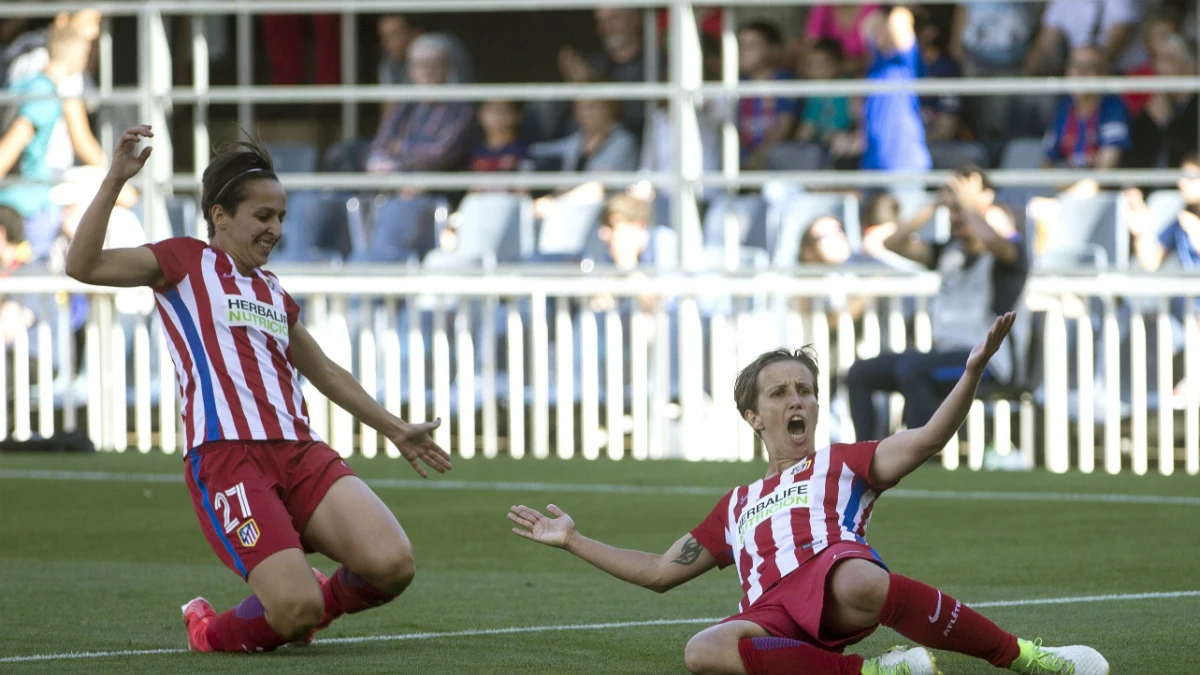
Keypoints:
pixel 354 527
pixel 714 650
pixel 855 592
pixel 287 605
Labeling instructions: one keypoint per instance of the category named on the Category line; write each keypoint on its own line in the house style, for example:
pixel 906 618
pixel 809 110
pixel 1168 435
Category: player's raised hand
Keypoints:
pixel 984 351
pixel 532 525
pixel 127 161
pixel 417 446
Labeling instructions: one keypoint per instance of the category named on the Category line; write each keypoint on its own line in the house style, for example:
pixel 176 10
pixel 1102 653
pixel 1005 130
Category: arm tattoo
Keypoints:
pixel 691 552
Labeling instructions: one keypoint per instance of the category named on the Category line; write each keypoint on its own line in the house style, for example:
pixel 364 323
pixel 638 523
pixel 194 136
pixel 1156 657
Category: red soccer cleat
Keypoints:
pixel 325 618
pixel 196 615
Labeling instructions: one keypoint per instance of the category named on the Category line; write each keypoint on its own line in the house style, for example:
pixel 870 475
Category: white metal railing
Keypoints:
pixel 683 88
pixel 525 366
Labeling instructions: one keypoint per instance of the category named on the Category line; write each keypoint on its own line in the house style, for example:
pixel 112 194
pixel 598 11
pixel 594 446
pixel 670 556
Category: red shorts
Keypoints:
pixel 792 607
pixel 253 498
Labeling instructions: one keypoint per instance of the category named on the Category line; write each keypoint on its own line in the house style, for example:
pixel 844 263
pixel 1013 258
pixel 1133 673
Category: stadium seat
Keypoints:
pixel 181 212
pixel 1022 153
pixel 567 228
pixel 1164 206
pixel 953 154
pixel 317 228
pixel 1086 233
pixel 796 156
pixel 403 229
pixel 495 226
pixel 293 157
pixel 750 213
pixel 798 214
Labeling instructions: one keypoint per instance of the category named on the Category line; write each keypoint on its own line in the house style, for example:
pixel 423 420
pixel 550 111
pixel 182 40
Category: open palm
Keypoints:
pixel 533 525
pixel 984 351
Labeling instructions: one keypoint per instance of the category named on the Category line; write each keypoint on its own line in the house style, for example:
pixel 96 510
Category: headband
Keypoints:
pixel 226 186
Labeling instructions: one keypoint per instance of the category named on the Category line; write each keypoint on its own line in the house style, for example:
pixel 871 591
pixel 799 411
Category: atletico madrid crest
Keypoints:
pixel 248 533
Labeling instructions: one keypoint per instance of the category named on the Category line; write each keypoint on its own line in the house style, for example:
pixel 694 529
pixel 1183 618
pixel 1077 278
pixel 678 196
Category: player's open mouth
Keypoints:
pixel 797 428
pixel 265 245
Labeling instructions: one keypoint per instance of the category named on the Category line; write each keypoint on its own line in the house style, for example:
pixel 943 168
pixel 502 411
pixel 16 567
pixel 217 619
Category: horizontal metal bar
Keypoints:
pixel 518 280
pixel 368 182
pixel 117 95
pixel 994 86
pixel 17 9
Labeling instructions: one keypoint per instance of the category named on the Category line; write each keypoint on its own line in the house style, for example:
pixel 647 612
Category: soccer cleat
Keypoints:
pixel 1074 660
pixel 325 618
pixel 196 615
pixel 902 661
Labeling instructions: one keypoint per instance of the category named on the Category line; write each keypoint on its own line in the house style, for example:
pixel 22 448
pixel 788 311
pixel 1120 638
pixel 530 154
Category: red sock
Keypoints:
pixel 243 629
pixel 781 656
pixel 347 593
pixel 931 618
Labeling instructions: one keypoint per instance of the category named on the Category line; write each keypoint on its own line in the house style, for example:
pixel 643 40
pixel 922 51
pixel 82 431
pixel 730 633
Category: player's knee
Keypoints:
pixel 296 616
pixel 703 655
pixel 860 586
pixel 392 570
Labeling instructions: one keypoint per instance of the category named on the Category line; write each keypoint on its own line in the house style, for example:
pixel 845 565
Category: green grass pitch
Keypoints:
pixel 103 565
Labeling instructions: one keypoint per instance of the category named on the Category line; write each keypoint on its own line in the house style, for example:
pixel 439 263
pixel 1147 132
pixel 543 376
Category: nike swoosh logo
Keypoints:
pixel 938 611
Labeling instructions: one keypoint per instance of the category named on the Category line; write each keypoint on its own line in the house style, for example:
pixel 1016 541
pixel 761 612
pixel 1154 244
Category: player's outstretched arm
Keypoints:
pixel 901 454
pixel 339 386
pixel 684 561
pixel 87 260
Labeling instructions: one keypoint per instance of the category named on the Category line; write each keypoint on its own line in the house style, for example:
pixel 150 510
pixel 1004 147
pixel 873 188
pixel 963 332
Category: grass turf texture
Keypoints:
pixel 99 566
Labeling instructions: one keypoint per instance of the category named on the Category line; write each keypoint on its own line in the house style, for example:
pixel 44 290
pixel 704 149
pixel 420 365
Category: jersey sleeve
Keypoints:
pixel 858 457
pixel 711 533
pixel 1114 124
pixel 174 256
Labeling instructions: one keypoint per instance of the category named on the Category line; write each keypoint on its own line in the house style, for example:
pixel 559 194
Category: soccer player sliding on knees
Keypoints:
pixel 264 487
pixel 812 584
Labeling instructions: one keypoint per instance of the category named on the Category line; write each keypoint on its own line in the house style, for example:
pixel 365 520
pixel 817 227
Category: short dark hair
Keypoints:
pixel 769 32
pixel 513 103
pixel 13 224
pixel 883 208
pixel 831 48
pixel 745 387
pixel 235 164
pixel 971 169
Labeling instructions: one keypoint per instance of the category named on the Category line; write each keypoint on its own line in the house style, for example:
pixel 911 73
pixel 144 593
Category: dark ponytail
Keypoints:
pixel 233 165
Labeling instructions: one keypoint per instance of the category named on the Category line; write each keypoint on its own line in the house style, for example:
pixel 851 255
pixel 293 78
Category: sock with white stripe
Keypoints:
pixel 783 656
pixel 933 619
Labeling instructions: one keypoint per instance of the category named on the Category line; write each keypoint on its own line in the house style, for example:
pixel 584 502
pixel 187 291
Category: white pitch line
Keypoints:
pixel 589 626
pixel 662 490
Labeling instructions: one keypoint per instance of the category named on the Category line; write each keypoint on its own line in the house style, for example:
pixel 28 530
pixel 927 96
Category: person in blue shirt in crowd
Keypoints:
pixel 894 135
pixel 1090 130
pixel 824 116
pixel 26 140
pixel 763 121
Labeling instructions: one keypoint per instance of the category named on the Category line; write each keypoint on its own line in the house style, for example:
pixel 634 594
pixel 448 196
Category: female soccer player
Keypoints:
pixel 264 487
pixel 812 584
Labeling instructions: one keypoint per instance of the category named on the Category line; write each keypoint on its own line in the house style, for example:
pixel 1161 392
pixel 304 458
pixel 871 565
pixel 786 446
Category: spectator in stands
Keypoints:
pixel 626 228
pixel 1181 239
pixel 941 113
pixel 622 59
pixel 893 134
pixel 983 268
pixel 763 121
pixel 425 135
pixel 27 138
pixel 15 318
pixel 602 143
pixel 844 24
pixel 991 39
pixel 1162 23
pixel 72 138
pixel 501 148
pixel 1110 25
pixel 824 117
pixel 824 243
pixel 1164 131
pixel 1090 130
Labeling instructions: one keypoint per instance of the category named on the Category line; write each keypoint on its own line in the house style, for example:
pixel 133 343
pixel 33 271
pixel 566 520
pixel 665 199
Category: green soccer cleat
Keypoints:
pixel 902 661
pixel 1074 660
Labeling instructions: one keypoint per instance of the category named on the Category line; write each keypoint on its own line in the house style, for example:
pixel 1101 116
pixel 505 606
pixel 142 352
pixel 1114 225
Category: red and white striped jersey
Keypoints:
pixel 228 337
pixel 772 526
